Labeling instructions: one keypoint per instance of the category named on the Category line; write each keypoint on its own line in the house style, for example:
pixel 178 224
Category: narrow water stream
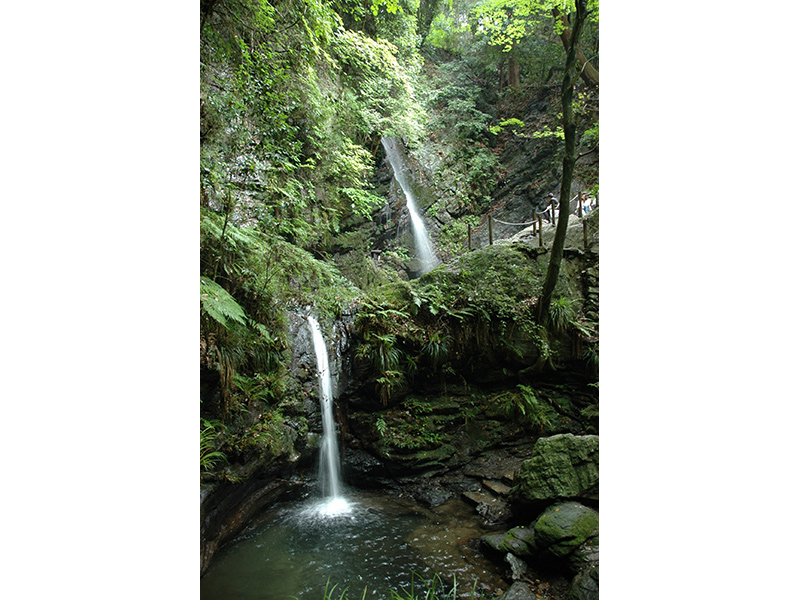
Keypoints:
pixel 425 252
pixel 294 550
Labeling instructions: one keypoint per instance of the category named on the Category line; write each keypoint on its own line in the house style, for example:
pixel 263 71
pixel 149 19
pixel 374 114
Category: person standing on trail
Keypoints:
pixel 551 201
pixel 586 203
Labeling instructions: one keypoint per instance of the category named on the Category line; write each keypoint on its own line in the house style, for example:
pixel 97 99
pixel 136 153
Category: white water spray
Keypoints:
pixel 425 254
pixel 334 503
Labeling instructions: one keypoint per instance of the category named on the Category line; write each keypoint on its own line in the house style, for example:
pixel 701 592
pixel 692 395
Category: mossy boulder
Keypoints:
pixel 563 528
pixel 561 467
pixel 518 541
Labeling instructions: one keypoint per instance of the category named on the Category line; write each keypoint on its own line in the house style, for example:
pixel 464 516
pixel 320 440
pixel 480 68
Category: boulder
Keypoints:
pixel 561 467
pixel 490 507
pixel 585 585
pixel 519 541
pixel 518 591
pixel 586 555
pixel 518 566
pixel 563 528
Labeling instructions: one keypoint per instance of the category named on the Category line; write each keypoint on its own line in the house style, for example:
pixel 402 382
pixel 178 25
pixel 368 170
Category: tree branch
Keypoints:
pixel 589 74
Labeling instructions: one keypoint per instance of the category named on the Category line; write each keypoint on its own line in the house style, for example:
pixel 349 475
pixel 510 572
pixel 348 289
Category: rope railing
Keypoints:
pixel 516 224
pixel 537 218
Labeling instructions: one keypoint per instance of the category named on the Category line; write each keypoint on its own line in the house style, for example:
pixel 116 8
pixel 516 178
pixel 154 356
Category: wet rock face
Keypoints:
pixel 225 509
pixel 303 365
pixel 561 466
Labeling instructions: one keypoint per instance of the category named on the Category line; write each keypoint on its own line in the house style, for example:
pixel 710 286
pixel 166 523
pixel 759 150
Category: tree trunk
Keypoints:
pixel 425 14
pixel 568 121
pixel 206 8
pixel 588 73
pixel 500 79
pixel 513 72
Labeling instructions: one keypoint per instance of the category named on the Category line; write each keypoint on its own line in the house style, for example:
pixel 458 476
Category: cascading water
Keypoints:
pixel 425 254
pixel 333 501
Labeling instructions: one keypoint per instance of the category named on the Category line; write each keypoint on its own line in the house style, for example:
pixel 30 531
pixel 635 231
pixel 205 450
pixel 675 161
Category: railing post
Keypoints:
pixel 533 218
pixel 491 236
pixel 585 241
pixel 553 213
pixel 580 205
pixel 540 231
pixel 469 236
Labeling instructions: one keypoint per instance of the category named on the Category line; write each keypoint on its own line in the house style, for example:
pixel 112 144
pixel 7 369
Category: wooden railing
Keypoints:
pixel 537 220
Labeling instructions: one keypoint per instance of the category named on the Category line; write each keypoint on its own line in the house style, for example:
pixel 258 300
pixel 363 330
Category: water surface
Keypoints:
pixel 377 542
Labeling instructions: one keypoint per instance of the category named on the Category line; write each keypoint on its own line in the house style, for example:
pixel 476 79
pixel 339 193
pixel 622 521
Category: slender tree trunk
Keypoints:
pixel 586 70
pixel 206 9
pixel 425 14
pixel 500 78
pixel 568 121
pixel 513 72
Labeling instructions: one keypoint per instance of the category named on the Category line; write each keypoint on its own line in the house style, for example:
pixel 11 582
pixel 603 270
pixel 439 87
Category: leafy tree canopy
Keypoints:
pixel 507 22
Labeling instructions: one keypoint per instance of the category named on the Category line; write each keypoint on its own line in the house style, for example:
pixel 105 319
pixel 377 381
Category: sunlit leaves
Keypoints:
pixel 515 123
pixel 391 6
pixel 507 22
pixel 384 100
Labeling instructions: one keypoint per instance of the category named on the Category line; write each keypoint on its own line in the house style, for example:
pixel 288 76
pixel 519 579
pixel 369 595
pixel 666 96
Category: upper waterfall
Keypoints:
pixel 425 253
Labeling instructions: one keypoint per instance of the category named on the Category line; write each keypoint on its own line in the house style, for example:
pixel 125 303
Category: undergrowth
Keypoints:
pixel 432 589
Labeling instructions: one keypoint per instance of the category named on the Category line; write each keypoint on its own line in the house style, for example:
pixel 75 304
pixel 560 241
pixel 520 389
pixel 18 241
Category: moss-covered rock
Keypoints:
pixel 561 466
pixel 563 528
pixel 518 541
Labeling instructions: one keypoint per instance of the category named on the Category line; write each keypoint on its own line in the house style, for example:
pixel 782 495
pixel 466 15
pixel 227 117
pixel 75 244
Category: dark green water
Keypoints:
pixel 293 552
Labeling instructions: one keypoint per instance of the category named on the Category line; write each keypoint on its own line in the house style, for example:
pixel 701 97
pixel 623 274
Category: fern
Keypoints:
pixel 219 304
pixel 436 350
pixel 561 314
pixel 209 455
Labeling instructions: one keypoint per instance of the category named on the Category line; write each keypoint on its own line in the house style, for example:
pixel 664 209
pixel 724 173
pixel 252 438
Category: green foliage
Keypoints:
pixel 290 100
pixel 330 592
pixel 459 123
pixel 436 350
pixel 454 235
pixel 591 355
pixel 561 314
pixel 475 313
pixel 433 589
pixel 523 405
pixel 261 388
pixel 210 432
pixel 267 271
pixel 244 323
pixel 591 136
pixel 381 91
pixel 495 129
pixel 507 22
pixel 268 437
pixel 380 426
pixel 546 132
pixel 411 426
pixel 219 304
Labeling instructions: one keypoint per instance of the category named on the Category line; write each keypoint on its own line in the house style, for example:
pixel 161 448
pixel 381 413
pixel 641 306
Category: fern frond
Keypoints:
pixel 219 304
